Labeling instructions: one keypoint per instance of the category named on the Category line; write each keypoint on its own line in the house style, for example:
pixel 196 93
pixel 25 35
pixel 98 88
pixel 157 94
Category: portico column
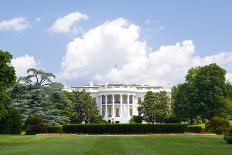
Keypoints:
pixel 101 105
pixel 128 106
pixel 106 107
pixel 133 105
pixel 120 105
pixel 113 114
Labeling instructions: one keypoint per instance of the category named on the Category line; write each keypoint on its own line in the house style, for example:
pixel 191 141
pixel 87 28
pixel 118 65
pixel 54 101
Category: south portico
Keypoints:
pixel 118 107
pixel 116 103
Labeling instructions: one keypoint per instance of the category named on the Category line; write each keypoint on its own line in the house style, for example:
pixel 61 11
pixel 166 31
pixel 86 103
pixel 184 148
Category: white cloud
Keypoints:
pixel 38 19
pixel 15 24
pixel 21 64
pixel 94 55
pixel 67 23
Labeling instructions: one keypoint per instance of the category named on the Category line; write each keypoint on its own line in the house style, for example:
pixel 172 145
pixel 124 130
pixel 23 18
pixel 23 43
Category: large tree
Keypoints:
pixel 7 79
pixel 40 98
pixel 202 94
pixel 155 107
pixel 83 108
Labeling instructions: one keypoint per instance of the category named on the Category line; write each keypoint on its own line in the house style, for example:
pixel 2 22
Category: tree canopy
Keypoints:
pixel 155 107
pixel 7 79
pixel 202 94
pixel 83 108
pixel 42 99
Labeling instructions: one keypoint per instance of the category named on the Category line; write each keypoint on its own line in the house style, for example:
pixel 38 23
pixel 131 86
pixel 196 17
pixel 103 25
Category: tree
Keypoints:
pixel 181 106
pixel 7 79
pixel 37 77
pixel 209 87
pixel 228 100
pixel 12 123
pixel 40 99
pixel 203 93
pixel 35 124
pixel 83 108
pixel 155 107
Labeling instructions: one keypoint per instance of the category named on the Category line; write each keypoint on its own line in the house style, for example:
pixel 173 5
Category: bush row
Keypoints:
pixel 124 128
pixel 55 129
pixel 194 128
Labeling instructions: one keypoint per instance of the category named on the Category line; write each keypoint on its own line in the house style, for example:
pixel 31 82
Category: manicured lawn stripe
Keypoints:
pixel 114 145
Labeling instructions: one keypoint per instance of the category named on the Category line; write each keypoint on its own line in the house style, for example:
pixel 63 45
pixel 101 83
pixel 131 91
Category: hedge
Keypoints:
pixel 124 128
pixel 12 123
pixel 194 128
pixel 228 136
pixel 55 129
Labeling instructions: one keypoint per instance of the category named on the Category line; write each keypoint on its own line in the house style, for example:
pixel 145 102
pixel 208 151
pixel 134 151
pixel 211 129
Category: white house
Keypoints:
pixel 118 102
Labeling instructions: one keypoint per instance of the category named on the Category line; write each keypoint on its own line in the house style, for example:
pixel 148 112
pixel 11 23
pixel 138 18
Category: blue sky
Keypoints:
pixel 206 23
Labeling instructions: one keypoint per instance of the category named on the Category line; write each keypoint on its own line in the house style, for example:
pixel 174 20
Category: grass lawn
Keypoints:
pixel 118 145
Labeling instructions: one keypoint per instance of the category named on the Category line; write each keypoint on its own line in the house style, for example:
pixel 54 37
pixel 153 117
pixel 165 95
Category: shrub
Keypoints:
pixel 124 128
pixel 194 128
pixel 55 129
pixel 136 119
pixel 228 136
pixel 12 123
pixel 171 120
pixel 34 125
pixel 217 125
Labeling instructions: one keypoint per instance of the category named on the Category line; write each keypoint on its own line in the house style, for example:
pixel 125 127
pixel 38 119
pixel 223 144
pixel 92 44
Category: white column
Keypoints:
pixel 106 113
pixel 128 106
pixel 113 114
pixel 133 105
pixel 101 105
pixel 121 105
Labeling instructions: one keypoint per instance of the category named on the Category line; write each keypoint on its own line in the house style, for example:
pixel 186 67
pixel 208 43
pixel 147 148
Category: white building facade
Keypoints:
pixel 118 102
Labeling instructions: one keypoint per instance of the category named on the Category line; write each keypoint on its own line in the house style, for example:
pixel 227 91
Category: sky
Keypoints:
pixel 123 41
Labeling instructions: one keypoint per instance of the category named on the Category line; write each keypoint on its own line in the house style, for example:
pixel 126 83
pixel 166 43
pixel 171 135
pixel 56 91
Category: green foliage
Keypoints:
pixel 228 100
pixel 83 108
pixel 55 129
pixel 37 77
pixel 228 136
pixel 46 101
pixel 202 94
pixel 180 103
pixel 34 125
pixel 136 119
pixel 7 79
pixel 7 72
pixel 155 107
pixel 217 125
pixel 194 128
pixel 123 128
pixel 12 123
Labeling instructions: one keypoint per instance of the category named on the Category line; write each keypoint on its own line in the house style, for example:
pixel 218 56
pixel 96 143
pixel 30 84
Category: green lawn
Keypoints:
pixel 118 145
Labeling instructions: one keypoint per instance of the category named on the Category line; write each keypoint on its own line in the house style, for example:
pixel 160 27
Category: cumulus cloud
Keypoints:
pixel 15 24
pixel 67 23
pixel 21 64
pixel 114 52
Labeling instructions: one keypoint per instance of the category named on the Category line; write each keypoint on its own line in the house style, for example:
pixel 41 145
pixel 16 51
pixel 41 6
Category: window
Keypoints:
pixel 139 99
pixel 117 99
pixel 117 112
pixel 124 99
pixel 131 112
pixel 109 99
pixel 103 111
pixel 103 99
pixel 131 99
pixel 109 112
